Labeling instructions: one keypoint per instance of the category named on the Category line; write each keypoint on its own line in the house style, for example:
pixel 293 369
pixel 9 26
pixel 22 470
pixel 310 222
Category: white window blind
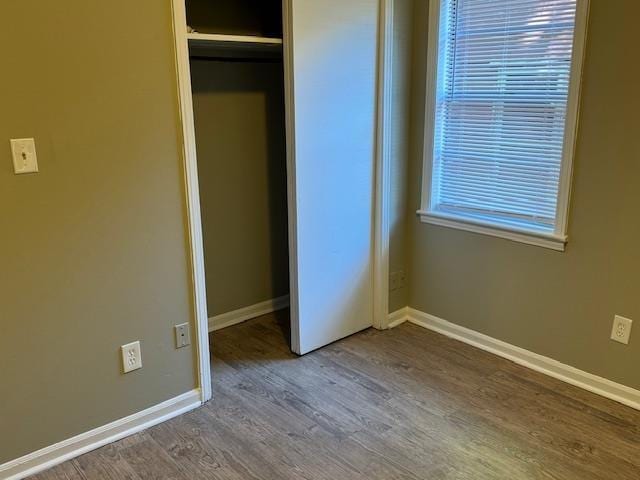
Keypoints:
pixel 500 109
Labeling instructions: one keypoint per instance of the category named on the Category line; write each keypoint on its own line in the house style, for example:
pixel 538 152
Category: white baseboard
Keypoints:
pixel 247 313
pixel 398 317
pixel 553 368
pixel 85 442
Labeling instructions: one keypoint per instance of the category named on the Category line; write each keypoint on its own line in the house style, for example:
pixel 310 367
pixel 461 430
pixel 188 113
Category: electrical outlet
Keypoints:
pixel 183 335
pixel 621 329
pixel 402 278
pixel 131 357
pixel 396 280
pixel 393 281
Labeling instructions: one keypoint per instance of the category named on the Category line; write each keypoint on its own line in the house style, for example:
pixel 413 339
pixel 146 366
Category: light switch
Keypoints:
pixel 24 156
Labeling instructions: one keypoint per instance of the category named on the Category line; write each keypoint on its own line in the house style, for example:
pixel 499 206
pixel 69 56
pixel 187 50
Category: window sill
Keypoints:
pixel 552 242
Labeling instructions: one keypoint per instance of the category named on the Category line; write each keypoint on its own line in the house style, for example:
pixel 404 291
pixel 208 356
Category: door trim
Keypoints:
pixel 290 120
pixel 383 166
pixel 192 191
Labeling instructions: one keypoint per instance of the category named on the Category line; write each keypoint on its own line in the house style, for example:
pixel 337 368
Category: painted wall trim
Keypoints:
pixel 85 442
pixel 292 185
pixel 398 317
pixel 229 319
pixel 427 213
pixel 545 365
pixel 384 159
pixel 515 235
pixel 192 190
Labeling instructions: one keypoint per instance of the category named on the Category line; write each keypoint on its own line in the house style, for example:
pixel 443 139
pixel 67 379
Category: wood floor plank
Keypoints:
pixel 190 447
pixel 402 404
pixel 106 463
pixel 554 430
pixel 151 461
pixel 288 384
pixel 571 415
pixel 66 471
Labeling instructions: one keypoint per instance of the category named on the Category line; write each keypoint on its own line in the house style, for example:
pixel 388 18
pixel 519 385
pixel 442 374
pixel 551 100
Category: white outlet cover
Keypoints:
pixel 621 331
pixel 183 335
pixel 131 357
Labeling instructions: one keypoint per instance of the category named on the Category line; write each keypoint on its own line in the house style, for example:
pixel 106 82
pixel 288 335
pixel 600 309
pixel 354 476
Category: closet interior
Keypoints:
pixel 237 79
pixel 280 121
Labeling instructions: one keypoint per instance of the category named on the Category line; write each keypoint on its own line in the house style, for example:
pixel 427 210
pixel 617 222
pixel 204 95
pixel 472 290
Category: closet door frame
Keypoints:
pixel 383 161
pixel 192 191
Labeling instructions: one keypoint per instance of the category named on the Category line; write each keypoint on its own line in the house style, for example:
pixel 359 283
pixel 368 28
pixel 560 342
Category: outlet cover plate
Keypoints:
pixel 621 331
pixel 393 281
pixel 183 335
pixel 131 357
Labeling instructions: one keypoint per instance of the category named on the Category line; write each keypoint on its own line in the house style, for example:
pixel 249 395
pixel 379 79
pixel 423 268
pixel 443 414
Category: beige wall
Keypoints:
pixel 93 249
pixel 240 135
pixel 556 304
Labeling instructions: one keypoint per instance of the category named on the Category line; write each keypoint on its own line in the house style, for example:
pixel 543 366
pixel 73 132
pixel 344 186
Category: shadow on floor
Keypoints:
pixel 263 339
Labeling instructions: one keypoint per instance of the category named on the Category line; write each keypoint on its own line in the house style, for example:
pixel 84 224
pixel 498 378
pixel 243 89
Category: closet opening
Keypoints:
pixel 237 75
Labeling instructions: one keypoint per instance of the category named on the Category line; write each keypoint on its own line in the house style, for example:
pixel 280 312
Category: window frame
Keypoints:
pixel 556 240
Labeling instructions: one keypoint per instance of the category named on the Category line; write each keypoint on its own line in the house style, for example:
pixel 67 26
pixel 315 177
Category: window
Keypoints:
pixel 502 104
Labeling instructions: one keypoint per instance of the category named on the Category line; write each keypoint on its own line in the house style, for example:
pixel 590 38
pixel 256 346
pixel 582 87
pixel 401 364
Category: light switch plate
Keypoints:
pixel 25 159
pixel 131 357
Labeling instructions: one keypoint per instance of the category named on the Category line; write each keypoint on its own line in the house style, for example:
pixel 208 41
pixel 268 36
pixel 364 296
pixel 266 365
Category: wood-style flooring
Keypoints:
pixel 400 404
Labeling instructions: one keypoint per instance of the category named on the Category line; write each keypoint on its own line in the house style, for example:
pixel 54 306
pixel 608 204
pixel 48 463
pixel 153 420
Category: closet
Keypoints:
pixel 281 120
pixel 239 119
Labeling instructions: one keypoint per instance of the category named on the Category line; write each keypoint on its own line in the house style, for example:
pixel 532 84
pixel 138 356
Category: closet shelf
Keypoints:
pixel 201 43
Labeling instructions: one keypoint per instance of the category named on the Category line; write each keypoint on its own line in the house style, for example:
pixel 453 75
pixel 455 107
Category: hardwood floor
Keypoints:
pixel 400 404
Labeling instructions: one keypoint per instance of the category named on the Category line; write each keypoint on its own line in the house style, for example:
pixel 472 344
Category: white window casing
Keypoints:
pixel 502 101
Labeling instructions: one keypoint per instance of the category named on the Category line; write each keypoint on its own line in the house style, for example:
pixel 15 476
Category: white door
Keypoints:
pixel 331 59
